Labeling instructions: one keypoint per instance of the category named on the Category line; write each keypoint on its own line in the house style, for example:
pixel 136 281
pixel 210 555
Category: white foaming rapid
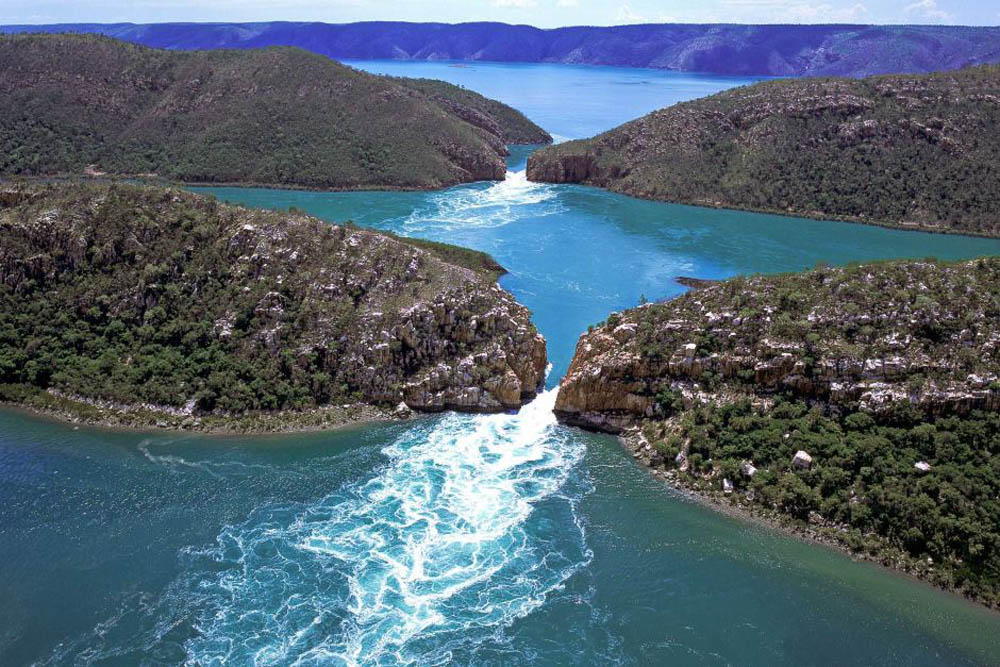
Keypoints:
pixel 441 551
pixel 494 205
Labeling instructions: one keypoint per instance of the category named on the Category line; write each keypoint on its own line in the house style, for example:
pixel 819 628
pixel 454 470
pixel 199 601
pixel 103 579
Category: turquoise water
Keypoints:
pixel 501 539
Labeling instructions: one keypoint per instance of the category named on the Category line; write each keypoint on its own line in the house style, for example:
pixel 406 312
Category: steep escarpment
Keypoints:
pixel 860 405
pixel 916 152
pixel 775 50
pixel 283 116
pixel 136 296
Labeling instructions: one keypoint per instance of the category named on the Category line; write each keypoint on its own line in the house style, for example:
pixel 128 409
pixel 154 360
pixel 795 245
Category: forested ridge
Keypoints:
pixel 916 152
pixel 145 295
pixel 278 116
pixel 886 376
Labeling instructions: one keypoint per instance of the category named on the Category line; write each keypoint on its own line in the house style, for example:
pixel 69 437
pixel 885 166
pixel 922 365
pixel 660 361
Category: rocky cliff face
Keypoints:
pixel 861 338
pixel 168 298
pixel 575 167
pixel 807 147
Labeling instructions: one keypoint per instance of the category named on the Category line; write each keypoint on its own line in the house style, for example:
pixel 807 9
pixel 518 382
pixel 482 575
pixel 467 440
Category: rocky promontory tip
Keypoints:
pixel 864 337
pixel 165 303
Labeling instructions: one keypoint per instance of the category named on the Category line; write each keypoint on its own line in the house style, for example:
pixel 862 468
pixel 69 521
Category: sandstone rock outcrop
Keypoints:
pixel 866 337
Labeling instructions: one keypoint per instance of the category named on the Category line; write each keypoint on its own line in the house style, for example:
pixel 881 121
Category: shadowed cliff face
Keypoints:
pixel 778 50
pixel 572 168
pixel 861 338
pixel 178 301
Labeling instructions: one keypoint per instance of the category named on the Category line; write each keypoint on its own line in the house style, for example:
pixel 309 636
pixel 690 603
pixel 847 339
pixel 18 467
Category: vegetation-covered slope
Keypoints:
pixel 275 116
pixel 140 295
pixel 912 151
pixel 778 50
pixel 870 370
pixel 490 115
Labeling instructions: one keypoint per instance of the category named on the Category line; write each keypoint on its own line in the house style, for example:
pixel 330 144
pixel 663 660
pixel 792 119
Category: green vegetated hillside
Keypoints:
pixel 886 375
pixel 274 116
pixel 136 295
pixel 491 115
pixel 914 151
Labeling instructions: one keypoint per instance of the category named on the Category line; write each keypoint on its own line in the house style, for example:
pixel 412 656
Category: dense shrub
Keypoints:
pixel 863 477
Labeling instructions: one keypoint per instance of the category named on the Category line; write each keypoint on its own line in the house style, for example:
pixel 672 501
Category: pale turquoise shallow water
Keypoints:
pixel 473 539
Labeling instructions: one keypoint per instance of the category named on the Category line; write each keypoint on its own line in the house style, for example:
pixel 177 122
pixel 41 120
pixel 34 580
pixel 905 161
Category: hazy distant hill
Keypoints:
pixel 268 116
pixel 782 50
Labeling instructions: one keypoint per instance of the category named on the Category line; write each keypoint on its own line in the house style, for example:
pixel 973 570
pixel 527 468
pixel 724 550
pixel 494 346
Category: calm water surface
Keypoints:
pixel 472 539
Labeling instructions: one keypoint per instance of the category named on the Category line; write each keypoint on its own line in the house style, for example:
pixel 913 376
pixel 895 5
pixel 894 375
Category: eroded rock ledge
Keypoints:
pixel 170 301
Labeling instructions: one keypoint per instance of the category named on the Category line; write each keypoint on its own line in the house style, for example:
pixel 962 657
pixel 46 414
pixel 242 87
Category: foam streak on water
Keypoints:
pixel 493 205
pixel 460 534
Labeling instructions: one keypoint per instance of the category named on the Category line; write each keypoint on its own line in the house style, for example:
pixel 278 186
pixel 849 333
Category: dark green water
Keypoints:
pixel 469 539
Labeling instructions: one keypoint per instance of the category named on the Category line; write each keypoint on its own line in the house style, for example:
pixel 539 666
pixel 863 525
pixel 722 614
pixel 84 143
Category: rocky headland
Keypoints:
pixel 148 306
pixel 914 152
pixel 84 104
pixel 857 405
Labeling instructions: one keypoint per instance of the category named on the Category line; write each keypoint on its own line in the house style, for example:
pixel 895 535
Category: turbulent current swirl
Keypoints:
pixel 493 205
pixel 404 566
pixel 460 534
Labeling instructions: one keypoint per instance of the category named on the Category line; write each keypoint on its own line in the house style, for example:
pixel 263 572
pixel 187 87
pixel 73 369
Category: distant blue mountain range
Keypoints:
pixel 777 50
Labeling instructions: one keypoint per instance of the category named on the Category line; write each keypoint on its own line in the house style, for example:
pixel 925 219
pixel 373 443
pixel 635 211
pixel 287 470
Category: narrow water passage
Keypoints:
pixel 576 254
